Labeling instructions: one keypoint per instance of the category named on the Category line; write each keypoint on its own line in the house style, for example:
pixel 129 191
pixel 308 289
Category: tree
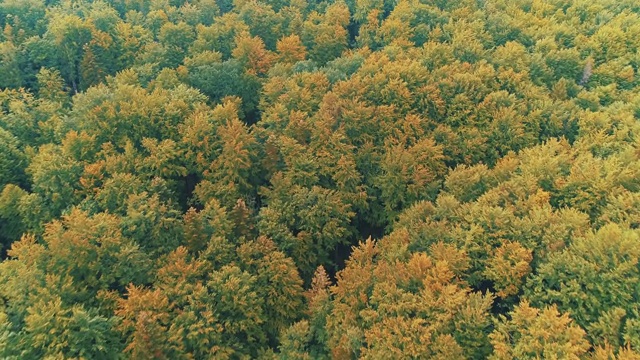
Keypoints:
pixel 176 38
pixel 218 80
pixel 534 333
pixel 236 306
pixel 250 52
pixel 307 339
pixel 55 178
pixel 220 149
pixel 12 160
pixel 290 49
pixel 387 301
pixel 605 263
pixel 263 22
pixel 11 220
pixel 277 281
pixel 325 35
pixel 53 300
pixel 409 172
pixel 56 331
pixel 125 112
pixel 10 71
pixel 220 36
pixel 51 86
pixel 70 33
pixel 306 223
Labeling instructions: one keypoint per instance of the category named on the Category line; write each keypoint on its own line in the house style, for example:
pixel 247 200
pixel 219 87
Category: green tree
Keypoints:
pixel 306 223
pixel 10 73
pixel 70 34
pixel 11 221
pixel 604 263
pixel 53 299
pixel 12 160
pixel 176 38
pixel 325 35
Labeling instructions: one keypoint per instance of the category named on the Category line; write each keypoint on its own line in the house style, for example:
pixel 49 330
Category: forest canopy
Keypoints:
pixel 327 179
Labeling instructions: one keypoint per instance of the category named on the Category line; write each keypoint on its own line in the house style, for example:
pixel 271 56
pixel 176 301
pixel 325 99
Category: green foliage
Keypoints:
pixel 54 331
pixel 10 72
pixel 12 160
pixel 194 179
pixel 218 80
pixel 235 307
pixel 307 225
pixel 10 217
pixel 594 280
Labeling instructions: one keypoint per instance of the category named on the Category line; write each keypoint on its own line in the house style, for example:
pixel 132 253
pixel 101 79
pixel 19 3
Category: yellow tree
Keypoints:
pixel 534 333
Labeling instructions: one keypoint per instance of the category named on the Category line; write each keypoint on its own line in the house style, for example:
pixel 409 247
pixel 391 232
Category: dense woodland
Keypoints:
pixel 293 179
